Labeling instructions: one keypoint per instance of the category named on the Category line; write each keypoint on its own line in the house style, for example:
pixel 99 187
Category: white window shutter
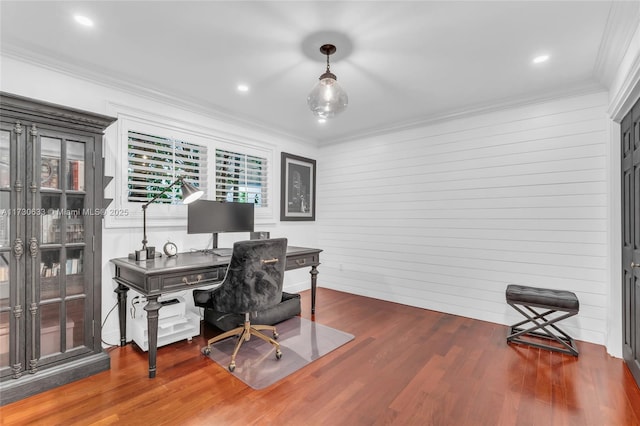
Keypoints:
pixel 241 178
pixel 155 162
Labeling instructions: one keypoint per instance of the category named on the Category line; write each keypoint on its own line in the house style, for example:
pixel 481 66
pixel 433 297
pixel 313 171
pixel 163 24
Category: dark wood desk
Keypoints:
pixel 162 275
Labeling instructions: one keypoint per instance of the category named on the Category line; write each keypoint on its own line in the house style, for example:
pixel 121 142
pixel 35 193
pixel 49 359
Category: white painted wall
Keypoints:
pixel 54 86
pixel 445 216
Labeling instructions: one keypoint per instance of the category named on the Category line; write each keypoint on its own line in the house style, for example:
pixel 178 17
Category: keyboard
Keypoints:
pixel 223 252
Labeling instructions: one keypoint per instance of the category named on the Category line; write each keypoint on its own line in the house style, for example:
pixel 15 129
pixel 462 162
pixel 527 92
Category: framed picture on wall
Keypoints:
pixel 297 188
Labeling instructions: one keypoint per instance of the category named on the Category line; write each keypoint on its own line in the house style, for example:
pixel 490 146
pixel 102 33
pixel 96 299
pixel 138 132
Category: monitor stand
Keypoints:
pixel 225 252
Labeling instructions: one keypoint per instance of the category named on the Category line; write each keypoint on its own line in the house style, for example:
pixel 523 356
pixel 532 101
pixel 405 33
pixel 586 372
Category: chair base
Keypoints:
pixel 244 333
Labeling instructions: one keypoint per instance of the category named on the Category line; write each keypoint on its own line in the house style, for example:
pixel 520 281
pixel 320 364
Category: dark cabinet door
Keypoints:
pixel 46 251
pixel 12 249
pixel 630 135
pixel 51 192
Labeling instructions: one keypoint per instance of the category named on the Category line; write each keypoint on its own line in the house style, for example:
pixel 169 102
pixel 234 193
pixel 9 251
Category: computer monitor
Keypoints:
pixel 206 216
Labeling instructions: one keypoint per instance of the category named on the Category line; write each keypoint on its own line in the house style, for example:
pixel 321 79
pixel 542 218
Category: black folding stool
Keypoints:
pixel 542 323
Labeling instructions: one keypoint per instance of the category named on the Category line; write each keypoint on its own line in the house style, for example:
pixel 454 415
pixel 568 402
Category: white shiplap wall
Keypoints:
pixel 446 215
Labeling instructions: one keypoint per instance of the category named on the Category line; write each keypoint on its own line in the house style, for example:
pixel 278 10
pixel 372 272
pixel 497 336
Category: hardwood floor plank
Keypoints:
pixel 406 366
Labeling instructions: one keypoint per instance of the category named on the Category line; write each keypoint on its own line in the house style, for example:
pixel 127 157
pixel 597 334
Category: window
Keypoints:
pixel 153 151
pixel 154 162
pixel 241 178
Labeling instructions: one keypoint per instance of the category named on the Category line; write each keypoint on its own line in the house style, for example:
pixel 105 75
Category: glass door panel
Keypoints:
pixel 50 219
pixel 50 162
pixel 75 323
pixel 5 146
pixel 75 166
pixel 63 278
pixel 5 219
pixel 4 339
pixel 50 274
pixel 5 258
pixel 50 329
pixel 4 279
pixel 75 271
pixel 75 219
pixel 5 308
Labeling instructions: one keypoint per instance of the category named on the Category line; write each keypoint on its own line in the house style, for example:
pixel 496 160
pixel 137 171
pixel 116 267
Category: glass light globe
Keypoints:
pixel 327 98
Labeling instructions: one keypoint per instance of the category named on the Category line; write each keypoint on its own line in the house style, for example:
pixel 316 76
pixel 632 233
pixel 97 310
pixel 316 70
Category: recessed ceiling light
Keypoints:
pixel 540 59
pixel 322 120
pixel 83 20
pixel 243 88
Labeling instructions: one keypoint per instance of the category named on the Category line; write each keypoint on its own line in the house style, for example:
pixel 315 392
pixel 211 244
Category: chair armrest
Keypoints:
pixel 202 298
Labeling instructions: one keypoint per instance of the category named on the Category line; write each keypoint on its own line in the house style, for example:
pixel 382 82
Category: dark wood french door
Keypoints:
pixel 630 139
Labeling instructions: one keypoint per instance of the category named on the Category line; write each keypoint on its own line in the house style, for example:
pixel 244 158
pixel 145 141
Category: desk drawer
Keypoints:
pixel 303 261
pixel 191 279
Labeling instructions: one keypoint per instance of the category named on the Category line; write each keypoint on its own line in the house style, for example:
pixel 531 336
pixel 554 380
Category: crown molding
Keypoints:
pixel 622 22
pixel 628 94
pixel 620 25
pixel 587 88
pixel 94 76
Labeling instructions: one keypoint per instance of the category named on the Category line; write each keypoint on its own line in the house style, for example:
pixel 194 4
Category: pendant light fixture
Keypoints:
pixel 327 98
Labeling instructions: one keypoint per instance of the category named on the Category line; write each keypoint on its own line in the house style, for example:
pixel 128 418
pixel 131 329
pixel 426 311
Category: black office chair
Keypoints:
pixel 253 283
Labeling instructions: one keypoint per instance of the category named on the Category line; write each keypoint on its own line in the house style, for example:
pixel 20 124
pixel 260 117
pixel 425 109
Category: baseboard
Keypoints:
pixel 12 390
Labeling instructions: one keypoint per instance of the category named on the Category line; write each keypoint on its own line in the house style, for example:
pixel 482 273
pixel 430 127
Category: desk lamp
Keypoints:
pixel 189 194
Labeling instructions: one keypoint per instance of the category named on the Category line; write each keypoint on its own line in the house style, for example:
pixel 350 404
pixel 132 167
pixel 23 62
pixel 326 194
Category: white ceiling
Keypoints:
pixel 401 63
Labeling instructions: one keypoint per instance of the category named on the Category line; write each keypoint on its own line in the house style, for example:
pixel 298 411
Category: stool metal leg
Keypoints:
pixel 539 329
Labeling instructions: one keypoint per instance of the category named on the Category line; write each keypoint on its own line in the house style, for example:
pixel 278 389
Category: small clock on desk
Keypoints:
pixel 170 249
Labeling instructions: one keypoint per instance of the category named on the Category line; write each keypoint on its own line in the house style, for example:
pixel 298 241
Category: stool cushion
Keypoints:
pixel 542 297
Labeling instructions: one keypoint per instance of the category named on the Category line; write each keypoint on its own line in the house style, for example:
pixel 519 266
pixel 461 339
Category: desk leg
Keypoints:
pixel 314 283
pixel 122 312
pixel 152 308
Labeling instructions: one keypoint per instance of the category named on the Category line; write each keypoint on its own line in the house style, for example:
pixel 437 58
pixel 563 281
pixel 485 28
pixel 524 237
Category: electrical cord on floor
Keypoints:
pixel 109 345
pixel 136 300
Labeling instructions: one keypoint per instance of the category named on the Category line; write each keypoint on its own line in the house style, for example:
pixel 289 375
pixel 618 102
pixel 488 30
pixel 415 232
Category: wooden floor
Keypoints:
pixel 406 366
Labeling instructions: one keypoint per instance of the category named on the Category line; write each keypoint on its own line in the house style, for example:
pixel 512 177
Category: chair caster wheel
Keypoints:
pixel 275 335
pixel 206 350
pixel 232 366
pixel 278 354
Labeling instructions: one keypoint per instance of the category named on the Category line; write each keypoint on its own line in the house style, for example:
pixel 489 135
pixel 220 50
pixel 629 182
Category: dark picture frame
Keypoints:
pixel 297 188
